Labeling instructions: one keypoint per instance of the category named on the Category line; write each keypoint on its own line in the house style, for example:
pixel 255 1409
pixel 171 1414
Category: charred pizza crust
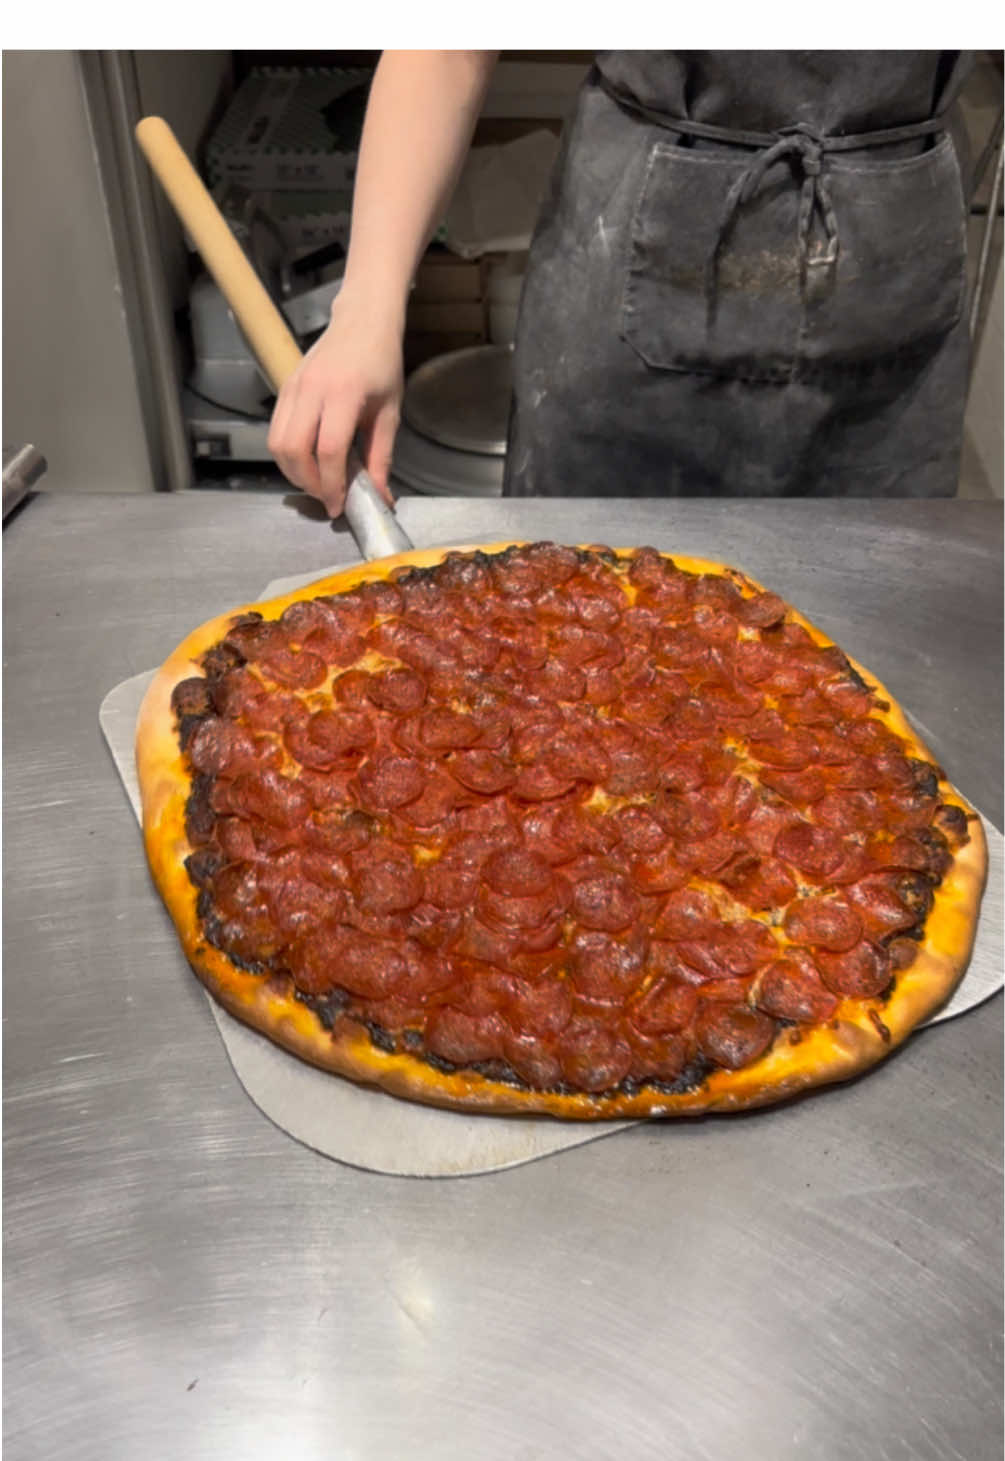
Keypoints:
pixel 861 1032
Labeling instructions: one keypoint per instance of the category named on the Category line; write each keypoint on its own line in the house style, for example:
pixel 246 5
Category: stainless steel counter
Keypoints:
pixel 182 1280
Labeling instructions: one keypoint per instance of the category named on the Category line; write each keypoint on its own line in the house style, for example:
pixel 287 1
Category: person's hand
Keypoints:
pixel 349 385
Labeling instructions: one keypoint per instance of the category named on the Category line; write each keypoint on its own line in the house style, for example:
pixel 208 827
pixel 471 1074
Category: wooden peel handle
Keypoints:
pixel 264 327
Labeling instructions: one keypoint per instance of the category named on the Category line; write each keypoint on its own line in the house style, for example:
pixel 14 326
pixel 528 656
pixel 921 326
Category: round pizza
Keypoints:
pixel 540 829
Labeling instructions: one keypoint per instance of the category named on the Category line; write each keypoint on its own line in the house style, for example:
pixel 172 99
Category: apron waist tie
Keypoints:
pixel 800 142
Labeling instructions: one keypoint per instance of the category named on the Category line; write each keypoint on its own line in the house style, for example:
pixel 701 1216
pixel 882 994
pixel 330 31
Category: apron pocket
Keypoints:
pixel 896 287
pixel 751 327
pixel 899 281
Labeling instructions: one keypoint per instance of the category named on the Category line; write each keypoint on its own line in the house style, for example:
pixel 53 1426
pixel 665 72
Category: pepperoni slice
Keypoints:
pixel 815 851
pixel 555 682
pixel 191 697
pixel 463 1039
pixel 599 609
pixel 606 902
pixel 399 691
pixel 827 923
pixel 846 700
pixel 870 737
pixel 544 835
pixel 921 851
pixel 640 829
pixel 481 771
pixel 430 811
pixel 524 911
pixel 592 1057
pixel 377 597
pixel 687 913
pixel 890 904
pixel 909 811
pixel 487 945
pixel 659 872
pixel 602 685
pixel 790 679
pixel 413 647
pixel 754 661
pixel 667 1005
pixel 808 708
pixel 532 1060
pixel 761 610
pixel 703 959
pixel 221 746
pixel 716 624
pixel 270 797
pixel 849 811
pixel 350 689
pixel 855 863
pixel 575 645
pixel 540 784
pixel 542 1007
pixel 388 883
pixel 390 781
pixel 708 855
pixel 606 968
pixel 298 669
pixel 661 581
pixel 746 946
pixel 690 720
pixel 554 562
pixel 861 973
pixel 532 737
pixel 650 704
pixel 802 788
pixel 679 647
pixel 762 884
pixel 657 1057
pixel 685 771
pixel 516 872
pixel 494 723
pixel 527 644
pixel 235 839
pixel 442 729
pixel 732 704
pixel 298 905
pixel 330 737
pixel 791 989
pixel 795 751
pixel 338 833
pixel 733 1036
pixel 690 818
pixel 576 757
pixel 344 958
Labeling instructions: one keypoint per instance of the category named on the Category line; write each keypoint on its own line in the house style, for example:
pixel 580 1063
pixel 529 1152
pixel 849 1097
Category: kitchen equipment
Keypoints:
pixel 454 421
pixel 22 467
pixel 370 519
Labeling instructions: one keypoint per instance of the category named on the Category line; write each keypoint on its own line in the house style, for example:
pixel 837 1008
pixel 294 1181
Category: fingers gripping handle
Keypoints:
pixel 372 521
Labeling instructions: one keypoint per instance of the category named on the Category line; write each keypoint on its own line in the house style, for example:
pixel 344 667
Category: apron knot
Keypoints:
pixel 805 148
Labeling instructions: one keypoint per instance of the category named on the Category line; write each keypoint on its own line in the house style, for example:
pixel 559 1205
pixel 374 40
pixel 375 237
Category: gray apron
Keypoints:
pixel 748 280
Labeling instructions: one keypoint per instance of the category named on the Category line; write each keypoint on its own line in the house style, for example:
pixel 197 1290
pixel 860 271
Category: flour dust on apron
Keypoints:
pixel 748 279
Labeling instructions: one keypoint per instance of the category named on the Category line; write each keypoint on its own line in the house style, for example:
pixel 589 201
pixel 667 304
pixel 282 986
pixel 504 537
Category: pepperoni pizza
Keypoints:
pixel 582 832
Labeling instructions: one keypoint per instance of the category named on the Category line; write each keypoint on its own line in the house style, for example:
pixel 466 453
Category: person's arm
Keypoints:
pixel 420 117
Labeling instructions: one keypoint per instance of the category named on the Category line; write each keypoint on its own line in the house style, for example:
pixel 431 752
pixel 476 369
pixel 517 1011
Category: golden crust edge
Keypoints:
pixel 861 1035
